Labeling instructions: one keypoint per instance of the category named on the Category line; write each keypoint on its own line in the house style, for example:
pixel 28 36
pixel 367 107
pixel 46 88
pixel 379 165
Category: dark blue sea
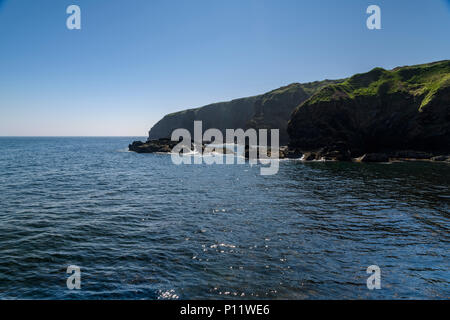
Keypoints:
pixel 140 227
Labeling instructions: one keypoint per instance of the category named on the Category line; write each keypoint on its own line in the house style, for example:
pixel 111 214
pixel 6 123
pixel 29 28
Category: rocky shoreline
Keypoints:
pixel 337 152
pixel 377 116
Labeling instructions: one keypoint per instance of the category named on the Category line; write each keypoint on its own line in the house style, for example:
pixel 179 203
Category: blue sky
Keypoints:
pixel 135 61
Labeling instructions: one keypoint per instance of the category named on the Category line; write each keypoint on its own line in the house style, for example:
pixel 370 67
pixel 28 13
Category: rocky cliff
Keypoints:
pixel 407 108
pixel 268 111
pixel 222 115
pixel 273 109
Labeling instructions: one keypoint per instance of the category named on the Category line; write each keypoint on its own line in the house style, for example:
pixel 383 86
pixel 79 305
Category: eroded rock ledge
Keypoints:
pixel 336 152
pixel 153 146
pixel 331 154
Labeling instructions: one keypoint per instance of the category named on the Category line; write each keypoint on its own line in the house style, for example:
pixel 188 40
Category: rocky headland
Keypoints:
pixel 378 116
pixel 271 110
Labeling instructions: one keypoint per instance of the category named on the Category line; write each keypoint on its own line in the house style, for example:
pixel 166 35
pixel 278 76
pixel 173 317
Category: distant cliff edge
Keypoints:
pixel 271 110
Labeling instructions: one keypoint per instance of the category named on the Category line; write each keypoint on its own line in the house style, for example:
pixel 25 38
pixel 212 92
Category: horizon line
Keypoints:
pixel 63 136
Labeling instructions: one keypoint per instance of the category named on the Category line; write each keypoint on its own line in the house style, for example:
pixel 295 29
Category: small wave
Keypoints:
pixel 167 295
pixel 222 245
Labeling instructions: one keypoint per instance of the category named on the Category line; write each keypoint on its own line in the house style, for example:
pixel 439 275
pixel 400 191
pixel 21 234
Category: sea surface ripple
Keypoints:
pixel 141 227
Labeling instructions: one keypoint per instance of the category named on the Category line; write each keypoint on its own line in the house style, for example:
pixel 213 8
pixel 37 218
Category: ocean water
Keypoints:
pixel 140 227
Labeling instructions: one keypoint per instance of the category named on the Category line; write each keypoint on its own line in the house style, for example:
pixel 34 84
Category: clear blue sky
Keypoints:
pixel 135 61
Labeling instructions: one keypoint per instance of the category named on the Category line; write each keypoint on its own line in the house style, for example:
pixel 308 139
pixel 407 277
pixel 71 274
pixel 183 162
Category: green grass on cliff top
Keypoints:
pixel 309 88
pixel 423 81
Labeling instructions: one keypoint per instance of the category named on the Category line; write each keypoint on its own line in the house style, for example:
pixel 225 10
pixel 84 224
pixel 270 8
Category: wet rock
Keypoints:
pixel 309 156
pixel 287 153
pixel 221 150
pixel 410 154
pixel 374 157
pixel 336 155
pixel 338 151
pixel 441 158
pixel 153 146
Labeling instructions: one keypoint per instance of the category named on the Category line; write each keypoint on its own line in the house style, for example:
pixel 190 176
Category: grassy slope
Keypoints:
pixel 422 81
pixel 273 109
pixel 407 107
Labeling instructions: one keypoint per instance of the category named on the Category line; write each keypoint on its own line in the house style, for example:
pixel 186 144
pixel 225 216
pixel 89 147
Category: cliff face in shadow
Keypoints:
pixel 273 109
pixel 381 114
pixel 222 115
pixel 407 108
pixel 268 111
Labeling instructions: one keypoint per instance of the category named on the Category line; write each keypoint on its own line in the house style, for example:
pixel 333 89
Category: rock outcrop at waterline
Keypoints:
pixel 166 145
pixel 271 110
pixel 335 152
pixel 378 116
pixel 153 146
pixel 378 112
